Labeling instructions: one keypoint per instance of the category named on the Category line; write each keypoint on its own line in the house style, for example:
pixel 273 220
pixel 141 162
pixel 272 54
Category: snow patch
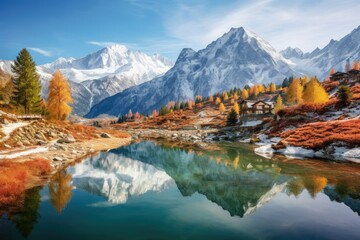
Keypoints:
pixel 24 153
pixel 7 129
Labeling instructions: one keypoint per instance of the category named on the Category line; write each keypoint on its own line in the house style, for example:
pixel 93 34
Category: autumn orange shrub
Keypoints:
pixel 355 91
pixel 320 134
pixel 15 175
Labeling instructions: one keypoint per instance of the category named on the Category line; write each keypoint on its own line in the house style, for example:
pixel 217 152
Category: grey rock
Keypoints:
pixel 67 139
pixel 105 135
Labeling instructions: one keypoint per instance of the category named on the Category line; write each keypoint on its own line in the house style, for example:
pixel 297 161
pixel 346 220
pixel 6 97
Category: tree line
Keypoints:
pixel 22 90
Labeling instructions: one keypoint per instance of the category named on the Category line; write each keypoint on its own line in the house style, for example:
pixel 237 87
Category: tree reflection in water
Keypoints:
pixel 60 190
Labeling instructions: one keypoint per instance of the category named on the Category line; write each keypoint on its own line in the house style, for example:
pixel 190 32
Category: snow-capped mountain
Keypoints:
pixel 237 58
pixel 320 61
pixel 117 178
pixel 101 74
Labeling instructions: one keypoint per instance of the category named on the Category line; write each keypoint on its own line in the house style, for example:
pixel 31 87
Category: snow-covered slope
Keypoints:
pixel 320 61
pixel 237 58
pixel 101 74
pixel 117 177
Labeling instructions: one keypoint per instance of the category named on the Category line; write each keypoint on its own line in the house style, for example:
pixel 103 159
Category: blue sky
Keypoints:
pixel 53 29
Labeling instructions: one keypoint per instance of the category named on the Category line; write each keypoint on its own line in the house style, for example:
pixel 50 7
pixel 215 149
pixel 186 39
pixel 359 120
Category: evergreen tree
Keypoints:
pixel 247 87
pixel 285 83
pixel 27 86
pixel 279 104
pixel 344 94
pixel 182 105
pixel 176 106
pixel 315 92
pixel 232 117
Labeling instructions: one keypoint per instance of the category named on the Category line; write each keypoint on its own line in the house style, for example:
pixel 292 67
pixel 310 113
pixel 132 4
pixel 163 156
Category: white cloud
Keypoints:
pixel 41 51
pixel 301 24
pixel 102 44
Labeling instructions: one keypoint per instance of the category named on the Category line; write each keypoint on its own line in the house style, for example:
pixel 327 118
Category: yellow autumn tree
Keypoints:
pixel 218 100
pixel 295 92
pixel 261 88
pixel 272 87
pixel 221 108
pixel 232 101
pixel 245 94
pixel 225 96
pixel 356 65
pixel 59 97
pixel 279 104
pixel 304 80
pixel 236 108
pixel 235 97
pixel 315 92
pixel 60 190
pixel 211 99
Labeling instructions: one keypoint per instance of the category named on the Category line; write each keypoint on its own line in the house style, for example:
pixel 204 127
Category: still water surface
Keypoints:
pixel 152 191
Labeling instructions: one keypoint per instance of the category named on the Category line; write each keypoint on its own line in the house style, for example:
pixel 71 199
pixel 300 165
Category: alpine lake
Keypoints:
pixel 151 190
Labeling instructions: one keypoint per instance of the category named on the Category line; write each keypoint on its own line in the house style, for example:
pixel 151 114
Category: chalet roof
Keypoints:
pixel 338 74
pixel 354 71
pixel 250 103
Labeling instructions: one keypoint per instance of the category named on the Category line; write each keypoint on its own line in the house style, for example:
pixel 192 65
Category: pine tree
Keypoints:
pixel 221 108
pixel 232 117
pixel 356 65
pixel 285 83
pixel 59 97
pixel 176 106
pixel 27 86
pixel 295 92
pixel 344 94
pixel 244 94
pixel 314 92
pixel 279 104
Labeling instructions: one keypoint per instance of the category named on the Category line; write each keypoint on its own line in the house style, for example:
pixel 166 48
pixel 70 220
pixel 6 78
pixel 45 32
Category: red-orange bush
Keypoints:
pixel 15 175
pixel 320 134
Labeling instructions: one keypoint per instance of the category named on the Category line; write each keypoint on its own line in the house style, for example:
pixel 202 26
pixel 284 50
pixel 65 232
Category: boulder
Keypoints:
pixel 67 139
pixel 105 135
pixel 40 136
pixel 58 159
pixel 41 142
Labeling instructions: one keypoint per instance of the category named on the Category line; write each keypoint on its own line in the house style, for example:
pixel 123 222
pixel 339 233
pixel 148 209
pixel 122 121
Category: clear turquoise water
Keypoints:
pixel 149 191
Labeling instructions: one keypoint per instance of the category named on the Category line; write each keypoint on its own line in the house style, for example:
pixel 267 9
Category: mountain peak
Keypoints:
pixel 117 48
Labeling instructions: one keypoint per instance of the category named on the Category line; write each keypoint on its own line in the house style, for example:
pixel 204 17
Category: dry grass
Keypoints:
pixel 14 176
pixel 320 134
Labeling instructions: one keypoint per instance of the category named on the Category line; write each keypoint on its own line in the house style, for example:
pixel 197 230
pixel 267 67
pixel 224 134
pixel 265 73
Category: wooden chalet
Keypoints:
pixel 256 107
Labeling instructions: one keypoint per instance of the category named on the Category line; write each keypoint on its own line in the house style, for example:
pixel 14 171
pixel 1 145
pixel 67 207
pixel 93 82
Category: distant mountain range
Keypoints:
pixel 320 61
pixel 114 80
pixel 101 74
pixel 237 58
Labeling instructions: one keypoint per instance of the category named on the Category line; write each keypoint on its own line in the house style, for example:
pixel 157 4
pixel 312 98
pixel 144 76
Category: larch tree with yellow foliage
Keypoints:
pixel 225 96
pixel 279 104
pixel 211 99
pixel 244 94
pixel 356 65
pixel 295 92
pixel 218 100
pixel 221 108
pixel 272 87
pixel 314 92
pixel 235 97
pixel 261 88
pixel 236 108
pixel 59 97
